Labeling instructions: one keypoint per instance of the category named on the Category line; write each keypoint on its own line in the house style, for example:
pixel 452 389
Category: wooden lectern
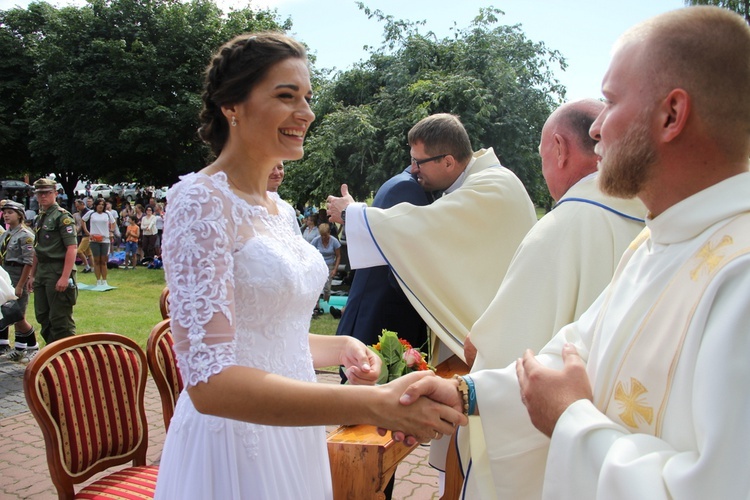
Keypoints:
pixel 363 462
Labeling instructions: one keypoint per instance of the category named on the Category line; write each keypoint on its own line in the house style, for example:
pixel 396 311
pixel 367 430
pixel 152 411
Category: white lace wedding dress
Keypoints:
pixel 243 284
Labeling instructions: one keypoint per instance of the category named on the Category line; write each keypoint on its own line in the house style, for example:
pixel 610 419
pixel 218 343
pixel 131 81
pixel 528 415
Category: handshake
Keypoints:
pixel 419 407
pixel 429 407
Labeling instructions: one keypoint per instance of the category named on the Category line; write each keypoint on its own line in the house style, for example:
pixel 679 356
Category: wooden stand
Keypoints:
pixel 363 462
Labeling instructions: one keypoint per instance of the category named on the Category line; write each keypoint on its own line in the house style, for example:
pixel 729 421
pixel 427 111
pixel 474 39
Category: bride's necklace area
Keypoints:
pixel 252 199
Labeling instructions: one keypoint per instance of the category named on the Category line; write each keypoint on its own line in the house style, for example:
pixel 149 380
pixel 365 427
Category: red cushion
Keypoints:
pixel 131 483
pixel 93 398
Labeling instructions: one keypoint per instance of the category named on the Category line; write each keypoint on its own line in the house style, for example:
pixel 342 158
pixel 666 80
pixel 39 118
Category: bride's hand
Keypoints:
pixel 362 366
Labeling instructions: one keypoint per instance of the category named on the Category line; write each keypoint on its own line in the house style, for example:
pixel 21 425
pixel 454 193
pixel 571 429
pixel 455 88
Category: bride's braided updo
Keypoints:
pixel 234 70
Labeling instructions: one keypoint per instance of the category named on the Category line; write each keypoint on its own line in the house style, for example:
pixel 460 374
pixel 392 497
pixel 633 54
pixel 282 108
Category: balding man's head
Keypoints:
pixel 706 52
pixel 566 148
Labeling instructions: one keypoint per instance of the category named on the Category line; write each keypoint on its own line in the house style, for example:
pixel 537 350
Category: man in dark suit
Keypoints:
pixel 376 301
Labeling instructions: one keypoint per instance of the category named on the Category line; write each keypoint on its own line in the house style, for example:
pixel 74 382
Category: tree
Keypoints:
pixel 498 82
pixel 114 92
pixel 16 69
pixel 741 7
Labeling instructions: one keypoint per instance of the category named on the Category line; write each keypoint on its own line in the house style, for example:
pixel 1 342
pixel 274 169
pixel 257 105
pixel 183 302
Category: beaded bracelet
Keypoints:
pixel 463 389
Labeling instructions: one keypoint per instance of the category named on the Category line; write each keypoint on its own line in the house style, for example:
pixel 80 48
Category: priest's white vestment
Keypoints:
pixel 560 268
pixel 451 256
pixel 666 347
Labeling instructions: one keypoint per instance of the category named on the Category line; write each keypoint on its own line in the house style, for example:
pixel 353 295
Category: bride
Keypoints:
pixel 242 285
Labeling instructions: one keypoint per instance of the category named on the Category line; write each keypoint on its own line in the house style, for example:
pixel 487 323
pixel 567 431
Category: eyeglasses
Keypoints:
pixel 419 163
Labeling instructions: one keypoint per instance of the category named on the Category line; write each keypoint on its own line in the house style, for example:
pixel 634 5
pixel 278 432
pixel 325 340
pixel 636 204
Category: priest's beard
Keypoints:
pixel 628 163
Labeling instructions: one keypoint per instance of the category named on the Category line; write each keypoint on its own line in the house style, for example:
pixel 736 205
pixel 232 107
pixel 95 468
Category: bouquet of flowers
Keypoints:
pixel 399 357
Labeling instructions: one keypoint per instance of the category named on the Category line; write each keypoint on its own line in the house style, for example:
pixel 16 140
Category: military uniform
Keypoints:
pixel 55 232
pixel 16 258
pixel 17 251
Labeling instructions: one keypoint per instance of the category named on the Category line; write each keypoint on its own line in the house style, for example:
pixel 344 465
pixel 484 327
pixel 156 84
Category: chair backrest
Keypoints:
pixel 86 392
pixel 163 365
pixel 164 303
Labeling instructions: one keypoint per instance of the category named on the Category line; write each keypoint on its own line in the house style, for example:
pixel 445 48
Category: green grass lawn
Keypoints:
pixel 133 308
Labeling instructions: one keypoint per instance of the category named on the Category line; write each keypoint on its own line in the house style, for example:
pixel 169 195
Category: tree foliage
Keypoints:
pixel 741 7
pixel 495 79
pixel 110 90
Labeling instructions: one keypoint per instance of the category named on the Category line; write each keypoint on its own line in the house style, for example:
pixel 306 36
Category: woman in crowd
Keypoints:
pixel 159 214
pixel 101 231
pixel 126 212
pixel 115 243
pixel 149 233
pixel 138 215
pixel 241 285
pixel 330 248
pixel 311 228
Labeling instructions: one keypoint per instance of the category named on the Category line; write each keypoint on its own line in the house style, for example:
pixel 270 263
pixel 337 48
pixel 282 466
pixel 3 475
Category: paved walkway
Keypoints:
pixel 23 462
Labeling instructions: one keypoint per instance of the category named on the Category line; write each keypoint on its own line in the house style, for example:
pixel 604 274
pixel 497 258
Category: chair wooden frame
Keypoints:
pixel 162 363
pixel 164 303
pixel 87 392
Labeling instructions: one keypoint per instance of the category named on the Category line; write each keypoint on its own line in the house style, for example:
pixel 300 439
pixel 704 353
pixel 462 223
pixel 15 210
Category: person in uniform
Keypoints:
pixel 16 258
pixel 53 273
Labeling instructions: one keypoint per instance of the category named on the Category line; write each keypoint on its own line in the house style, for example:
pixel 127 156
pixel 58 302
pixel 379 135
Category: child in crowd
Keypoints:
pixel 131 243
pixel 16 258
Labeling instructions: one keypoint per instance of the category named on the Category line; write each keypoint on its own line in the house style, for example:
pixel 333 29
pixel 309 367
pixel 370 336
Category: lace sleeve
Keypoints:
pixel 198 251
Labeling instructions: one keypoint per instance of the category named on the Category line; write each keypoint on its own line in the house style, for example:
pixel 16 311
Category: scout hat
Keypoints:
pixel 44 184
pixel 14 205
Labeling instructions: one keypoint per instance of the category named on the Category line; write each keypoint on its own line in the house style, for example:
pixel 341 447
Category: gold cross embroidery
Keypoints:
pixel 633 404
pixel 709 257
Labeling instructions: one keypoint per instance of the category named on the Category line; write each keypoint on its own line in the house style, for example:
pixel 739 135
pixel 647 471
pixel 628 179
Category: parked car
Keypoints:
pixel 15 190
pixel 97 189
pixel 126 190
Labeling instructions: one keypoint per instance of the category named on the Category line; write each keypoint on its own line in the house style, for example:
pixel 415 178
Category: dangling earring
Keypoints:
pixel 234 121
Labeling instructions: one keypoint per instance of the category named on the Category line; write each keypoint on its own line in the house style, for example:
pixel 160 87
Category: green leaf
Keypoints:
pixel 383 377
pixel 390 348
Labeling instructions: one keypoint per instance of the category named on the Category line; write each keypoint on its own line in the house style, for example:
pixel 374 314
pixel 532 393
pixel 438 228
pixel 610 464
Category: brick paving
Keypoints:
pixel 23 462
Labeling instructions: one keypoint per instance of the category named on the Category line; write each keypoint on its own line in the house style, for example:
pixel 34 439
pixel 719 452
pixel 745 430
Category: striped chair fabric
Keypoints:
pixel 87 394
pixel 163 365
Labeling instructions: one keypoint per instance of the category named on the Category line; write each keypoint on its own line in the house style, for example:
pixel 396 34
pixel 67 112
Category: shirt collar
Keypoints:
pixel 460 180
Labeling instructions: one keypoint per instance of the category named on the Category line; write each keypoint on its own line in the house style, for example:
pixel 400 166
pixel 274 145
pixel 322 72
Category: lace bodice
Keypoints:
pixel 242 283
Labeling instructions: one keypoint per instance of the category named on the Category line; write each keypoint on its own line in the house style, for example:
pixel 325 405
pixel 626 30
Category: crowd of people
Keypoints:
pixel 606 341
pixel 38 252
pixel 125 238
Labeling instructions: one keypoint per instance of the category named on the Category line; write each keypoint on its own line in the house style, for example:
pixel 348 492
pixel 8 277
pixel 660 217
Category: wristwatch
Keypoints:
pixel 343 216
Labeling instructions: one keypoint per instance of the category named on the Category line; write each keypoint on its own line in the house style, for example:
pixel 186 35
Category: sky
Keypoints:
pixel 582 30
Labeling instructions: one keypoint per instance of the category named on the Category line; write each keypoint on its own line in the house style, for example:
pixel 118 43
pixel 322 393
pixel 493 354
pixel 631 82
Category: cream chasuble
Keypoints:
pixel 666 349
pixel 560 268
pixel 451 256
